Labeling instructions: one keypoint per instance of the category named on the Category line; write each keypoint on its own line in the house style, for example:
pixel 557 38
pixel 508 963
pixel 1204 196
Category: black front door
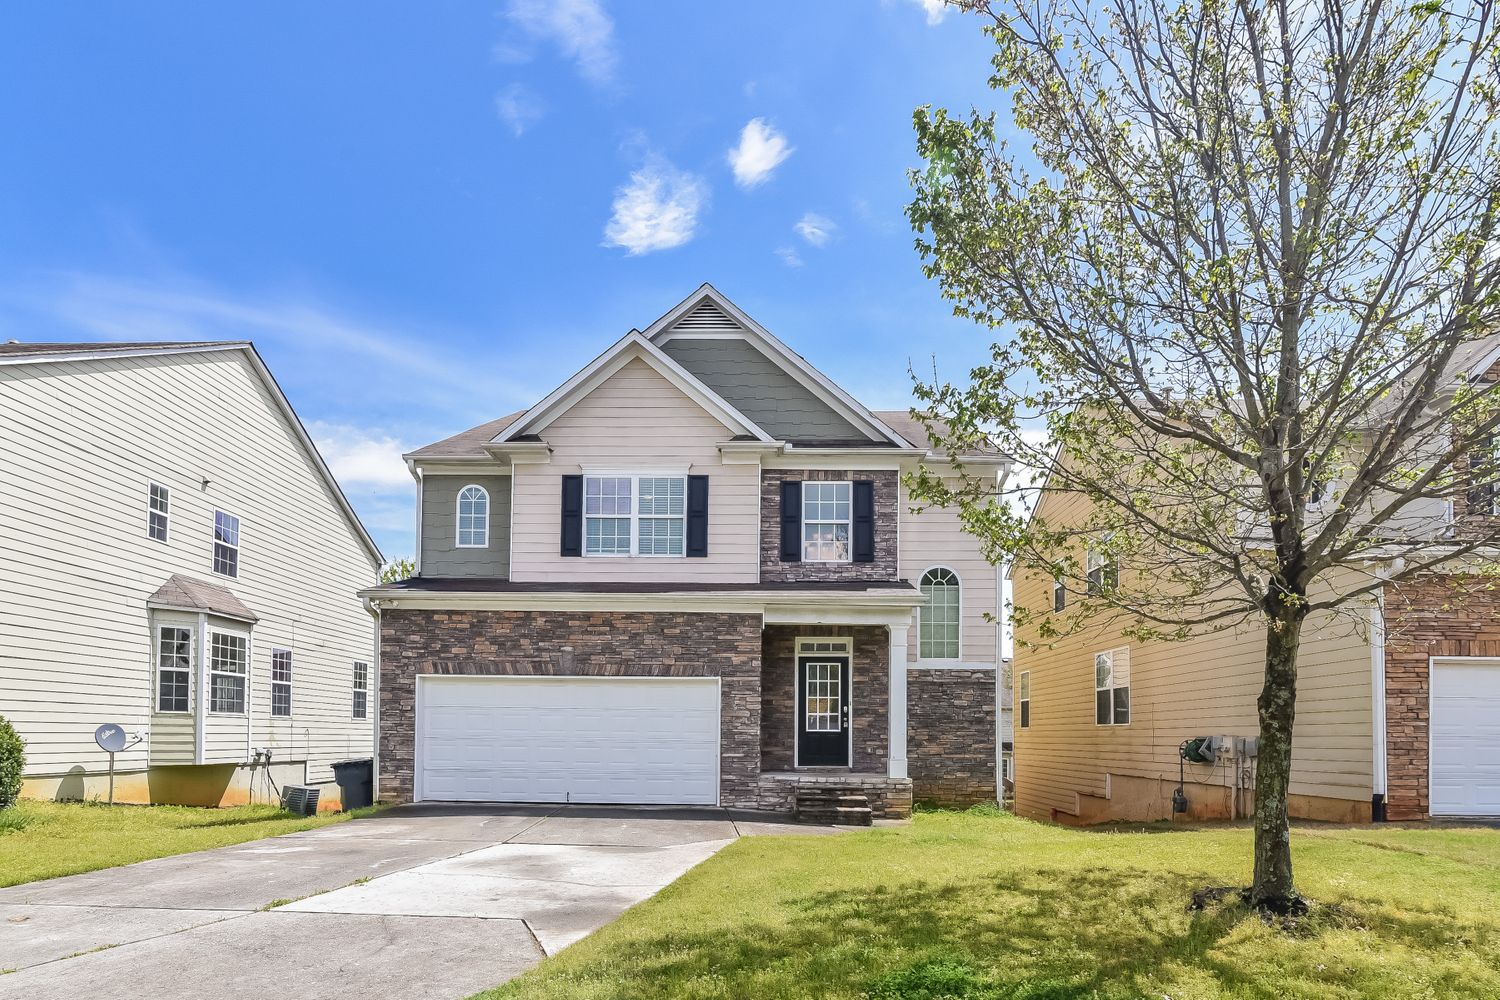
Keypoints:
pixel 823 711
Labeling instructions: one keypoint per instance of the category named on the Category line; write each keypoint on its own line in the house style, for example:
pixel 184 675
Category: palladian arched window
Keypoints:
pixel 473 518
pixel 937 618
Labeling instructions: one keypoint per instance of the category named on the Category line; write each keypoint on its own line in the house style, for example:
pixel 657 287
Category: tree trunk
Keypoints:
pixel 1273 888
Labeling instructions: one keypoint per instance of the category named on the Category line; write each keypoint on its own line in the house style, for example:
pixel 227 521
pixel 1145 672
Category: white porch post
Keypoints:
pixel 896 761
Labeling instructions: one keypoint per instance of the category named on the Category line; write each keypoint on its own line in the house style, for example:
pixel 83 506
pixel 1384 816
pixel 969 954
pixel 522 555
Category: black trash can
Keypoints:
pixel 356 781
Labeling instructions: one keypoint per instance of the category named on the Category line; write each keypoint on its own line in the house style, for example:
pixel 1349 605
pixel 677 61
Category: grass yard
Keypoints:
pixel 47 839
pixel 984 907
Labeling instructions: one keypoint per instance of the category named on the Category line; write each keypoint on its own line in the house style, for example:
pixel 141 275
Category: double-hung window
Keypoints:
pixel 226 544
pixel 228 667
pixel 156 513
pixel 473 518
pixel 1103 569
pixel 1024 698
pixel 1059 594
pixel 937 617
pixel 281 683
pixel 174 668
pixel 1112 687
pixel 361 707
pixel 827 521
pixel 634 515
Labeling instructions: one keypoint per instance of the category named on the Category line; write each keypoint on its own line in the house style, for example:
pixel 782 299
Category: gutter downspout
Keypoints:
pixel 1377 707
pixel 373 607
pixel 200 702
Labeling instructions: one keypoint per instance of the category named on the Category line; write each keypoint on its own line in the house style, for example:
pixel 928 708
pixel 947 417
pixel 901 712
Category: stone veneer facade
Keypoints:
pixel 869 695
pixel 950 735
pixel 887 510
pixel 1430 616
pixel 565 643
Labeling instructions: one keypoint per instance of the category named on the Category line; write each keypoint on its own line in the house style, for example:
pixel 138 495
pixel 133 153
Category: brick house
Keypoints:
pixel 1398 705
pixel 690 575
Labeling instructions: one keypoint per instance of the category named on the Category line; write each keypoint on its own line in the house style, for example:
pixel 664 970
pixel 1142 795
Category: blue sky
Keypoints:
pixel 428 215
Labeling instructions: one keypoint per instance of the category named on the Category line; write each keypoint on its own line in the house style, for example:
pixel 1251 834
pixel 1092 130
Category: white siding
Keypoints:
pixel 637 420
pixel 81 442
pixel 934 538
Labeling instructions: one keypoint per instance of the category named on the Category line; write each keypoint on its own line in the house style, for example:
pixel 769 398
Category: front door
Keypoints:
pixel 823 711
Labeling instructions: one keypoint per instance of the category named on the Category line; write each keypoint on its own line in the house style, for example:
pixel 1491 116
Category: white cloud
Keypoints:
pixel 359 456
pixel 936 10
pixel 816 229
pixel 519 108
pixel 580 29
pixel 789 256
pixel 761 150
pixel 657 210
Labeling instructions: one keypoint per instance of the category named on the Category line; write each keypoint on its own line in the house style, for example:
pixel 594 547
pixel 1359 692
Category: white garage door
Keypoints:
pixel 566 739
pixel 1465 748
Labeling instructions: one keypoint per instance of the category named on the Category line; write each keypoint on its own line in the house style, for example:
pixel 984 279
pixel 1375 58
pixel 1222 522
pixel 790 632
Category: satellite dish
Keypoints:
pixel 110 737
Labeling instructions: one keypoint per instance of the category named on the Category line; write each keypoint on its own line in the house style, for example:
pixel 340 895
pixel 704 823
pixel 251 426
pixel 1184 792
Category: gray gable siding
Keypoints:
pixel 441 556
pixel 760 389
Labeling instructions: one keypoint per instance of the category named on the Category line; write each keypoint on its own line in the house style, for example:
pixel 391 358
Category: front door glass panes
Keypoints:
pixel 824 699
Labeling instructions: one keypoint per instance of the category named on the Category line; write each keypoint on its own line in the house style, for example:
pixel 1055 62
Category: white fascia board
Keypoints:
pixel 141 352
pixel 622 352
pixel 891 604
pixel 797 366
pixel 459 467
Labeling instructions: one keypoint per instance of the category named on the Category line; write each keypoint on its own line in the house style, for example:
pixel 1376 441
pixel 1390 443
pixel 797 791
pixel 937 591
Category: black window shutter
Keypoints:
pixel 791 521
pixel 864 521
pixel 572 515
pixel 697 516
pixel 1482 479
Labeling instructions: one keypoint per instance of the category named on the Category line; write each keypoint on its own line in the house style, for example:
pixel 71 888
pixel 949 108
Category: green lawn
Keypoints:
pixel 987 907
pixel 48 839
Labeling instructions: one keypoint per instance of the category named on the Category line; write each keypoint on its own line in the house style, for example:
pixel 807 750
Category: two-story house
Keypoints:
pixel 690 574
pixel 179 563
pixel 1398 696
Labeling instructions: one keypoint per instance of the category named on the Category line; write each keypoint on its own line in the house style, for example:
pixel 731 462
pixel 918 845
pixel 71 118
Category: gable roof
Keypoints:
pixel 183 593
pixel 469 443
pixel 708 313
pixel 909 427
pixel 19 353
pixel 633 346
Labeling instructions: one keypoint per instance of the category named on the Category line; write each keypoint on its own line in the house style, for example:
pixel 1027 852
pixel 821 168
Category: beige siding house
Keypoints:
pixel 181 563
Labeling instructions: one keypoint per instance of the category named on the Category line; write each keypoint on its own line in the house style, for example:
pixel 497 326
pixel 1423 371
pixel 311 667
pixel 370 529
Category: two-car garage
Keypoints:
pixel 645 740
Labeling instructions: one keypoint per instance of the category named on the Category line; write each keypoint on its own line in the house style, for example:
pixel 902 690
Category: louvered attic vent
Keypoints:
pixel 706 318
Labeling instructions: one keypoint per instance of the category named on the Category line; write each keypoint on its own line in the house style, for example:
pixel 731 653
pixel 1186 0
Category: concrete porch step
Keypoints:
pixel 838 816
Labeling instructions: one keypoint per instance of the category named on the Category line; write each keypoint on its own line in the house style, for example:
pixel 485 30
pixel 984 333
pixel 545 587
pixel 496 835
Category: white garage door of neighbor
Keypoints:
pixel 566 739
pixel 1465 747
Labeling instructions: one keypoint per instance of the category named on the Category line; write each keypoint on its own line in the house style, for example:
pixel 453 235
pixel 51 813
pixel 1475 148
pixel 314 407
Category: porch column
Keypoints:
pixel 896 760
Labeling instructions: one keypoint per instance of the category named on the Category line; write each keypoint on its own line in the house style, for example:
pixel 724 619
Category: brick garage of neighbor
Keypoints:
pixel 1430 616
pixel 573 644
pixel 950 741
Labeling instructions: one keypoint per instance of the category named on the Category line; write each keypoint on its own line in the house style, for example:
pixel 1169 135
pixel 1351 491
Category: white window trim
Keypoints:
pixel 635 516
pixel 802 516
pixel 458 517
pixel 959 583
pixel 156 689
pixel 1023 697
pixel 215 543
pixel 1059 587
pixel 288 683
pixel 358 686
pixel 1104 560
pixel 1094 667
pixel 212 673
pixel 166 515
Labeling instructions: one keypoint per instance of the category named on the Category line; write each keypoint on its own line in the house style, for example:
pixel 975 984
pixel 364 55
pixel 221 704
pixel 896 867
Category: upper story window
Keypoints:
pixel 227 670
pixel 174 668
pixel 1484 470
pixel 1023 698
pixel 1103 569
pixel 1059 594
pixel 473 518
pixel 827 519
pixel 226 544
pixel 937 618
pixel 1112 687
pixel 157 511
pixel 634 515
pixel 281 683
pixel 361 707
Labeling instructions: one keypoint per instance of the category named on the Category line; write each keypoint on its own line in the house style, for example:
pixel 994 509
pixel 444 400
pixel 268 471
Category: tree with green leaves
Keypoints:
pixel 397 570
pixel 1239 258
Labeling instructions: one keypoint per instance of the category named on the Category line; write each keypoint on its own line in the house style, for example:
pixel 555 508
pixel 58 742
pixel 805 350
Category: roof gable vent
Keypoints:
pixel 706 319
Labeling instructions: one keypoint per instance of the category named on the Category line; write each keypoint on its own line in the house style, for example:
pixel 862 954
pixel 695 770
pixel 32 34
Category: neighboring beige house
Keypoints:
pixel 691 575
pixel 180 562
pixel 1398 704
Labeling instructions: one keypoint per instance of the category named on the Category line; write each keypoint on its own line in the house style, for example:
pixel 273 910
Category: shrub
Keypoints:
pixel 12 760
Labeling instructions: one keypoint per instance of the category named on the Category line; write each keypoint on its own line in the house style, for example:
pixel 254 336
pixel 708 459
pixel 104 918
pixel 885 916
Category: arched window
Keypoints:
pixel 937 618
pixel 473 518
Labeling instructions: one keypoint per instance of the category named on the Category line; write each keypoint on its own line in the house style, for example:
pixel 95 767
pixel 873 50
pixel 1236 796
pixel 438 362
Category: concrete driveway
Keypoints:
pixel 420 902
